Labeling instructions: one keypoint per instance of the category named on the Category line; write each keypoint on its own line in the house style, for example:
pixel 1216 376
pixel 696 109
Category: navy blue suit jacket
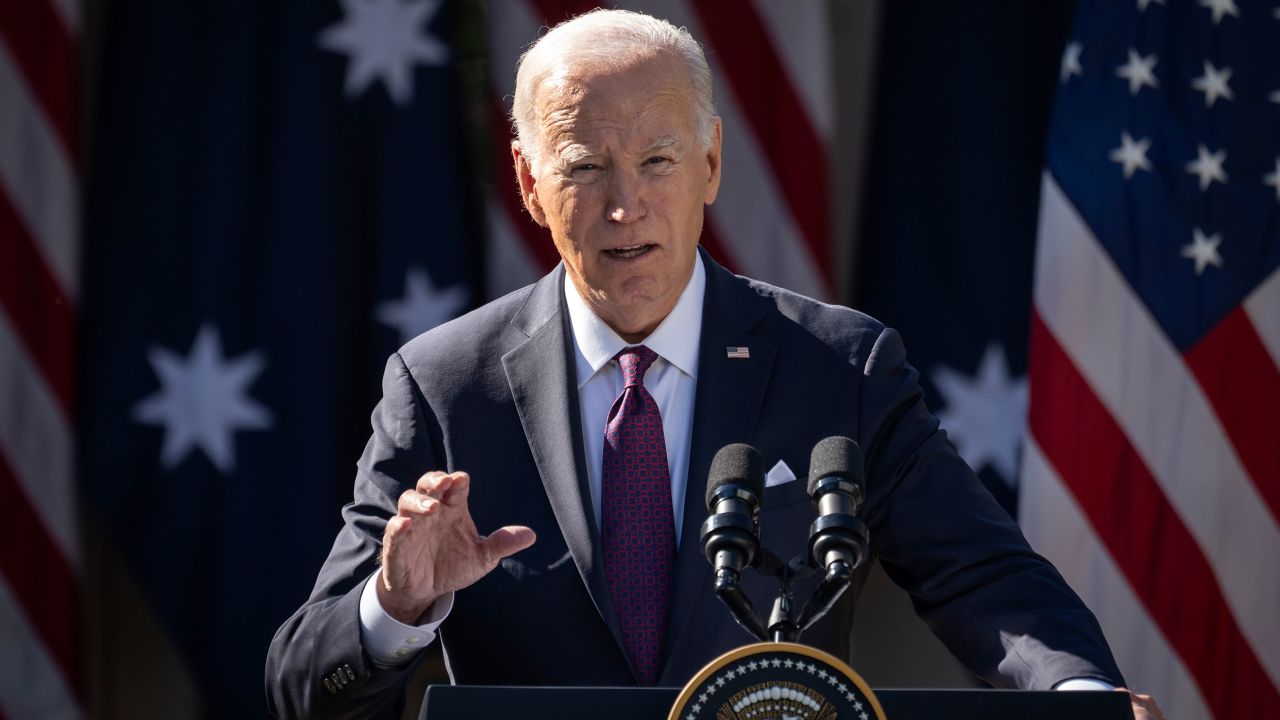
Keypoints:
pixel 494 393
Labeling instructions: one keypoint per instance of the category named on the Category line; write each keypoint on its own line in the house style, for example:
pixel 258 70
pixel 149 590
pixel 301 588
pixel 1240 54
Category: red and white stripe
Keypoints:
pixel 39 279
pixel 773 88
pixel 1152 476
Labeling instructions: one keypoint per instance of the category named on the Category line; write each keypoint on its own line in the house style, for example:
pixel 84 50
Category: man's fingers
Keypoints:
pixel 450 488
pixel 507 541
pixel 458 490
pixel 434 483
pixel 413 503
pixel 1144 706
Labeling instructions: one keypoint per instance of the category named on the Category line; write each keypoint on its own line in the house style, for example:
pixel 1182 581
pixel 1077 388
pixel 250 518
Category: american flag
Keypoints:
pixel 1152 473
pixel 773 90
pixel 39 204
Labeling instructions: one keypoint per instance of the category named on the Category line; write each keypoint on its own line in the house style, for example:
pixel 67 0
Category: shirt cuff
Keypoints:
pixel 388 641
pixel 1084 684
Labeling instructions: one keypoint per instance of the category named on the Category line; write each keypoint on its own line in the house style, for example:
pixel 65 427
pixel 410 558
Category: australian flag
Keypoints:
pixel 948 232
pixel 279 197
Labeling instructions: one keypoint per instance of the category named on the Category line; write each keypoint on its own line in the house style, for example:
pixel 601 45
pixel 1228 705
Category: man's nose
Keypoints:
pixel 626 204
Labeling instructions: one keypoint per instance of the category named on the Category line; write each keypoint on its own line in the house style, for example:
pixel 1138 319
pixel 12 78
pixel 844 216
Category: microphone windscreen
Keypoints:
pixel 836 455
pixel 736 464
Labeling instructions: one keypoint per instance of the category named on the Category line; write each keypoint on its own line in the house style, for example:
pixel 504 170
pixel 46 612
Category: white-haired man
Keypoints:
pixel 588 406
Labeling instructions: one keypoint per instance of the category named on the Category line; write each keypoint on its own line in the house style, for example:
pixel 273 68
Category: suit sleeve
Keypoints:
pixel 1001 609
pixel 321 641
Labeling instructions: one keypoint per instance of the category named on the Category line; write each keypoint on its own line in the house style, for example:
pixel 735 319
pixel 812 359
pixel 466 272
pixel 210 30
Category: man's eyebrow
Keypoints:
pixel 576 152
pixel 662 143
pixel 573 154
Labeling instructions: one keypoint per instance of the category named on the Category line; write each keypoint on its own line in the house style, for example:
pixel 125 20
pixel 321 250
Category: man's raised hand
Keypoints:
pixel 431 546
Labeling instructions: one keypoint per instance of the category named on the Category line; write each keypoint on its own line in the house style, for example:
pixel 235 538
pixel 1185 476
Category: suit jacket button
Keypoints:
pixel 350 673
pixel 328 685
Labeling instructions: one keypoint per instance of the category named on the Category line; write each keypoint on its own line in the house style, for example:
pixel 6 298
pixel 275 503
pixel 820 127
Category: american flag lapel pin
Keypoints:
pixel 737 353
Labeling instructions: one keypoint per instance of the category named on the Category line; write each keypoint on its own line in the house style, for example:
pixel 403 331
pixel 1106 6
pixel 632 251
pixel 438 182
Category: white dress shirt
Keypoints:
pixel 671 380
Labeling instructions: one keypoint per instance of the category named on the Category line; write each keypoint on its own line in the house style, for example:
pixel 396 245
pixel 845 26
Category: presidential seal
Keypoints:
pixel 776 681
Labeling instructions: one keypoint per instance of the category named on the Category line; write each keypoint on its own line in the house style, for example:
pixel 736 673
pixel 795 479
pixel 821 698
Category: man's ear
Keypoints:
pixel 713 164
pixel 528 187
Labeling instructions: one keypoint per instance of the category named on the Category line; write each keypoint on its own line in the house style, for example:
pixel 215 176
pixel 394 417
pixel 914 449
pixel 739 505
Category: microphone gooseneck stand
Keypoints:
pixel 838 542
pixel 784 625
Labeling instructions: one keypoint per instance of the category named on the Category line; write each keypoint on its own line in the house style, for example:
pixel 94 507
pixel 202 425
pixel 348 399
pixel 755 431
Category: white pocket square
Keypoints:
pixel 779 474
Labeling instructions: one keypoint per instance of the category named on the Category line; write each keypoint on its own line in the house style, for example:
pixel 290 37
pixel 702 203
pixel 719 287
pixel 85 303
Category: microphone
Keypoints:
pixel 837 539
pixel 731 534
pixel 837 486
pixel 735 484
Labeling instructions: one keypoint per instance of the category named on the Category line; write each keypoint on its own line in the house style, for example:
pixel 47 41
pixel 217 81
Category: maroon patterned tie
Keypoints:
pixel 638 532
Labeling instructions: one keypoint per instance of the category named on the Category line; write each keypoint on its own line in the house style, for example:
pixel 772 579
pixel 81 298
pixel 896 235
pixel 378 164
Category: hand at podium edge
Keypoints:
pixel 1144 706
pixel 431 546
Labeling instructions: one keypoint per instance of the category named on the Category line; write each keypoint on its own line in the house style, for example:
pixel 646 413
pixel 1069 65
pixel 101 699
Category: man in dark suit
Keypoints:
pixel 587 408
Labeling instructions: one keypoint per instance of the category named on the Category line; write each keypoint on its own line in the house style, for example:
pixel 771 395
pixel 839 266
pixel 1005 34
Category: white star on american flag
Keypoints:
pixel 1208 166
pixel 1220 8
pixel 1213 84
pixel 1273 179
pixel 1139 71
pixel 1203 250
pixel 1071 61
pixel 1131 154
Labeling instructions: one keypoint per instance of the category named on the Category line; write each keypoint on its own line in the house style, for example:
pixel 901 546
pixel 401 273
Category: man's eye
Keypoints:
pixel 585 167
pixel 658 160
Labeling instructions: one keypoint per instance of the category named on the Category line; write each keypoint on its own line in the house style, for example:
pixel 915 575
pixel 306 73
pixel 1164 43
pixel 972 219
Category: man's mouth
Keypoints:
pixel 630 251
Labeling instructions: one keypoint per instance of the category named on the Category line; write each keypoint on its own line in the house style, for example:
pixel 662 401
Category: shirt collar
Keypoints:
pixel 676 339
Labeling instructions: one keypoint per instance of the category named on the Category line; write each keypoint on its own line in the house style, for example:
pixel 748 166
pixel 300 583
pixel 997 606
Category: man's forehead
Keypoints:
pixel 640 117
pixel 599 89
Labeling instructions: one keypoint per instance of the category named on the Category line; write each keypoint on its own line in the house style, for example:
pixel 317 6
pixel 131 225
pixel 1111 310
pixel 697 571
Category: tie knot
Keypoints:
pixel 635 361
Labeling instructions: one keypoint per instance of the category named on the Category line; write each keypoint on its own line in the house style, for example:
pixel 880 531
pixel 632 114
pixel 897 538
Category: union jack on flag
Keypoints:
pixel 1151 475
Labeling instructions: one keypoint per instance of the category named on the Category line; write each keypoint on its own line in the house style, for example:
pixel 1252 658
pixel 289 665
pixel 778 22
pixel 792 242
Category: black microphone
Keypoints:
pixel 731 533
pixel 837 539
pixel 735 484
pixel 837 486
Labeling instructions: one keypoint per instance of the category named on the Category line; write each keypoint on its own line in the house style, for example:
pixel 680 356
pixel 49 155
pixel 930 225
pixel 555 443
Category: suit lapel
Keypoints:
pixel 544 388
pixel 726 409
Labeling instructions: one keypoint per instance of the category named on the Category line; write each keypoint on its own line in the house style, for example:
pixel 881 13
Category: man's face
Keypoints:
pixel 621 180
